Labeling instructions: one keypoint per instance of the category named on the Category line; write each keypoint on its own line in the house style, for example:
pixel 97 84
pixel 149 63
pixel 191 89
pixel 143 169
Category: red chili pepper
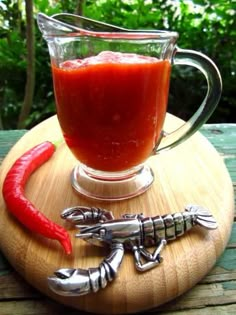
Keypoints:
pixel 20 206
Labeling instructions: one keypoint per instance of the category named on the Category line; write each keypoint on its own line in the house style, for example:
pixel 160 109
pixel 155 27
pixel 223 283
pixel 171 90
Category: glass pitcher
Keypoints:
pixel 111 89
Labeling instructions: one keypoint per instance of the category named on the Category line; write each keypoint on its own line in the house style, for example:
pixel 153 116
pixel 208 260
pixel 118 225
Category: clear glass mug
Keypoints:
pixel 111 89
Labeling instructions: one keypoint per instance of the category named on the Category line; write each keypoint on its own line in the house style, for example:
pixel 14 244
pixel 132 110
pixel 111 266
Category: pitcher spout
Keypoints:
pixel 63 24
pixel 50 27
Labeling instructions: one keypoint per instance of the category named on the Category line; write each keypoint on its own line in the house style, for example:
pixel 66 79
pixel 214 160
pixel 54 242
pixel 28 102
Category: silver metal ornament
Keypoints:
pixel 131 232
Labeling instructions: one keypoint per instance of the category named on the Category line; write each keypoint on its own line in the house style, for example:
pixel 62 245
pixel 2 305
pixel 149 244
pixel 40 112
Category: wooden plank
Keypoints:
pixel 203 295
pixel 7 139
pixel 14 287
pixel 36 307
pixel 220 298
pixel 206 310
pixel 232 241
pixel 222 136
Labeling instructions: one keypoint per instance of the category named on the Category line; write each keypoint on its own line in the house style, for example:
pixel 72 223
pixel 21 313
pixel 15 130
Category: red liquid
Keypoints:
pixel 111 107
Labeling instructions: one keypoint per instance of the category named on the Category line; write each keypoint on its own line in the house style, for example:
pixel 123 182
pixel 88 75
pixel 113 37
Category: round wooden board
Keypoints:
pixel 192 173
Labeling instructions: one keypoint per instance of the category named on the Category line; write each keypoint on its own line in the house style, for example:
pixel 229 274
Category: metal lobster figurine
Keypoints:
pixel 132 232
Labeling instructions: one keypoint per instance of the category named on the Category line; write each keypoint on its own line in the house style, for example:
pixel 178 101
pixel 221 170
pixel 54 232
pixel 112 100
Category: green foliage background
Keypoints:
pixel 206 26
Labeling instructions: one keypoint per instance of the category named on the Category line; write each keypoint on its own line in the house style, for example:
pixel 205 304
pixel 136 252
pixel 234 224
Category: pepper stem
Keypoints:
pixel 58 142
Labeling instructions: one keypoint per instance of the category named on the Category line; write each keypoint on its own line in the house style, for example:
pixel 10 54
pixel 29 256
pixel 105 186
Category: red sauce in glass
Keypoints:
pixel 111 107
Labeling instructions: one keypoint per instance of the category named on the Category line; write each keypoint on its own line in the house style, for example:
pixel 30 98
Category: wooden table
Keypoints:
pixel 216 293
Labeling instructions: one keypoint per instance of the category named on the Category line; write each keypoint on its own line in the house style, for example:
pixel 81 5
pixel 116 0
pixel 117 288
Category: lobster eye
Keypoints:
pixel 102 233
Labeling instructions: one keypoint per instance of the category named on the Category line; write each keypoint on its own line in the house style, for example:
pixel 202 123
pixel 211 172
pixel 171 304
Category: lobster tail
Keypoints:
pixel 202 217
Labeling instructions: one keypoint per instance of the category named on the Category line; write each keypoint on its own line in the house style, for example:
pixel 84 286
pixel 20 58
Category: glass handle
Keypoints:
pixel 214 88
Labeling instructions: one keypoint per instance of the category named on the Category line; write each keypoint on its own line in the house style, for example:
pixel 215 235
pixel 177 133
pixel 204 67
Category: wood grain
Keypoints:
pixel 191 173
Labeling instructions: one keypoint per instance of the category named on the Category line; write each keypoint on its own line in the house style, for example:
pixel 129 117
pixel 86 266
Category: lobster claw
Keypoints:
pixel 76 282
pixel 81 214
